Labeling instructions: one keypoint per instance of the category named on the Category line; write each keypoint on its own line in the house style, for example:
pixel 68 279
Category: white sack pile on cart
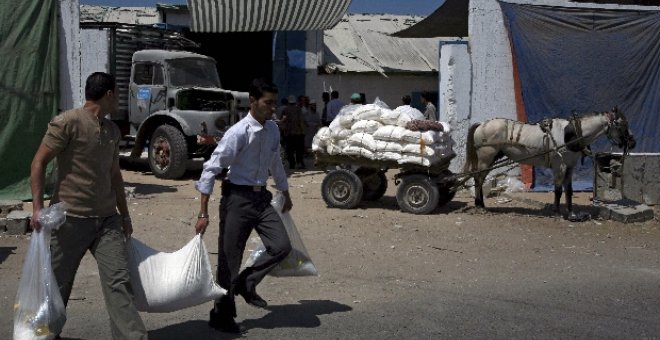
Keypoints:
pixel 376 132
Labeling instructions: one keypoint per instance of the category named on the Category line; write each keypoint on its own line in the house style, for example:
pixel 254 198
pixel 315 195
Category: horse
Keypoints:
pixel 555 143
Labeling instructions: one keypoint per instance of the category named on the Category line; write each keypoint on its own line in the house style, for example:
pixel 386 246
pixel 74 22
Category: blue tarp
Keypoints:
pixel 585 60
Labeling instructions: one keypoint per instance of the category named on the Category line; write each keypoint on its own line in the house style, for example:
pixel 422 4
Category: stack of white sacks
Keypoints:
pixel 376 132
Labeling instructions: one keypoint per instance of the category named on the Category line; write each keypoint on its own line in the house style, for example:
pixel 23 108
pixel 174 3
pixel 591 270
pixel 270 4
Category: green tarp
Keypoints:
pixel 28 87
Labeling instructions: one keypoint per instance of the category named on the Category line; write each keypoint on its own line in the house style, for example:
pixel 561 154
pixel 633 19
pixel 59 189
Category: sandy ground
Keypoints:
pixel 514 271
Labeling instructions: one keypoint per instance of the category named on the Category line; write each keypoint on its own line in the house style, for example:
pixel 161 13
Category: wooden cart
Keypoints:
pixel 351 179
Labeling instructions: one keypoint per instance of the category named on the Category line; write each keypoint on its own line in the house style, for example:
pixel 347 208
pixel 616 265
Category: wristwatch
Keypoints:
pixel 202 215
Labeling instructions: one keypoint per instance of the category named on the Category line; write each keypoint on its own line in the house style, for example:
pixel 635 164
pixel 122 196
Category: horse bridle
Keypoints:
pixel 613 120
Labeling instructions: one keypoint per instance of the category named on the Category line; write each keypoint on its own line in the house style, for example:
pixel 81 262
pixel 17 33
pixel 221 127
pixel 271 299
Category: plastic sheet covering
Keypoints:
pixel 166 282
pixel 28 88
pixel 298 262
pixel 584 60
pixel 39 312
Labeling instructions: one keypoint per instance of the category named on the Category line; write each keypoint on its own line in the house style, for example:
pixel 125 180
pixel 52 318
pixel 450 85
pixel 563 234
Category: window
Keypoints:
pixel 143 74
pixel 148 74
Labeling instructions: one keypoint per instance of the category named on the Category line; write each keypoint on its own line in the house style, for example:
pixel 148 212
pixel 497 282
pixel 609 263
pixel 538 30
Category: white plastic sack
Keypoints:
pixel 298 262
pixel 387 156
pixel 390 133
pixel 166 282
pixel 411 112
pixel 368 126
pixel 357 151
pixel 383 146
pixel 367 112
pixel 389 117
pixel 39 312
pixel 345 118
pixel 362 140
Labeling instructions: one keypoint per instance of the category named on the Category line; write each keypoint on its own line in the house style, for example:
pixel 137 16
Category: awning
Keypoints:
pixel 449 20
pixel 217 16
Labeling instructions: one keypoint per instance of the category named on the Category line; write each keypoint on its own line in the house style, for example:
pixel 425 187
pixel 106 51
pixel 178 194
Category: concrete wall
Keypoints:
pixel 454 96
pixel 487 60
pixel 69 45
pixel 94 53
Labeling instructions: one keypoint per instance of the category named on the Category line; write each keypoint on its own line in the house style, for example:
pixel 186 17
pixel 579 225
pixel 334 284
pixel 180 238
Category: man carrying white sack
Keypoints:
pixel 250 150
pixel 90 185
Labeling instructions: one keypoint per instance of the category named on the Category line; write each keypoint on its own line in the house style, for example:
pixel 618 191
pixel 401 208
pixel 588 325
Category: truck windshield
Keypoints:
pixel 193 72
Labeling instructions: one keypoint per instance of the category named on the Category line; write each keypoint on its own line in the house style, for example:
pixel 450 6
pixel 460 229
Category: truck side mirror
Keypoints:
pixel 170 103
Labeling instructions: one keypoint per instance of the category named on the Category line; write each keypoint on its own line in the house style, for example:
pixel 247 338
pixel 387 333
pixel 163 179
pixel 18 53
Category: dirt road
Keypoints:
pixel 514 271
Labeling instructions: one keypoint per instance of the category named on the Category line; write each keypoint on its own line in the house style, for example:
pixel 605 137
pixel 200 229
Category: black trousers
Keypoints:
pixel 295 150
pixel 241 210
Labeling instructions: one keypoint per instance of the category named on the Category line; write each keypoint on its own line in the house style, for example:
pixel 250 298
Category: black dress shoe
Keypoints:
pixel 223 323
pixel 251 297
pixel 255 300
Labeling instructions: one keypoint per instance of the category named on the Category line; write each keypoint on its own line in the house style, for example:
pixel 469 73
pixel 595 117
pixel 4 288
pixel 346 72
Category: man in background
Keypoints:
pixel 430 110
pixel 334 106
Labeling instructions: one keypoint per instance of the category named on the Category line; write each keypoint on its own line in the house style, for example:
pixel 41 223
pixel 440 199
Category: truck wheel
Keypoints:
pixel 341 189
pixel 374 183
pixel 417 194
pixel 168 152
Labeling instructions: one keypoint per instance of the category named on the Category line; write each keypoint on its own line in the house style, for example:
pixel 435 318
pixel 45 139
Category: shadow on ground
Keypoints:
pixel 302 315
pixel 545 211
pixel 149 189
pixel 390 203
pixel 5 252
pixel 194 167
pixel 194 329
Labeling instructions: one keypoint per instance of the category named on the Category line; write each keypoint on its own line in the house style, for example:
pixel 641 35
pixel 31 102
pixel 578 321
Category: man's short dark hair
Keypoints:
pixel 334 94
pixel 406 99
pixel 426 95
pixel 261 85
pixel 98 84
pixel 325 96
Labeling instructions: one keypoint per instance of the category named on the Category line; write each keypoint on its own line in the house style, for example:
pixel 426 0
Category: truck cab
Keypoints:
pixel 177 108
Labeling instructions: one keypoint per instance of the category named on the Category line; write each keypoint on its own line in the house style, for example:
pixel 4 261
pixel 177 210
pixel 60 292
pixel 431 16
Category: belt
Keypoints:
pixel 254 188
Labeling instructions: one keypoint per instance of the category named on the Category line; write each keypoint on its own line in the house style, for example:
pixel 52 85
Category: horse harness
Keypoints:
pixel 574 126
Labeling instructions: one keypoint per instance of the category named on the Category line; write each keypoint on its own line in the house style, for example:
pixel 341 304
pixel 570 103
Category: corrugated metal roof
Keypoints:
pixel 449 20
pixel 218 16
pixel 362 43
pixel 124 15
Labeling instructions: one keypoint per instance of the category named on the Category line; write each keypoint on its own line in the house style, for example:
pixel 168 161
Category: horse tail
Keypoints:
pixel 471 161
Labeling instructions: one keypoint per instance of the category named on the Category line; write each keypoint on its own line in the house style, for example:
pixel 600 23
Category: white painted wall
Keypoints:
pixel 488 62
pixel 94 53
pixel 69 45
pixel 454 96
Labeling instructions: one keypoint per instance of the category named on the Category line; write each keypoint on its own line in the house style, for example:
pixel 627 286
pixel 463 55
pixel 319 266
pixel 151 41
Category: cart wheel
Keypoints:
pixel 417 194
pixel 341 189
pixel 374 183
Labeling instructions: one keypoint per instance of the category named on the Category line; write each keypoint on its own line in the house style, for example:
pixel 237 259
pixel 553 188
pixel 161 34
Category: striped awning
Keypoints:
pixel 217 16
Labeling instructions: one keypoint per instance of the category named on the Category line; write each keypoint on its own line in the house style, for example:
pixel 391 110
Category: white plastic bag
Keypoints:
pixel 166 282
pixel 39 312
pixel 298 262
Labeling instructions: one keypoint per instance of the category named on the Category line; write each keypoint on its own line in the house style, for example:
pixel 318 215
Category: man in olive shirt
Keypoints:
pixel 90 185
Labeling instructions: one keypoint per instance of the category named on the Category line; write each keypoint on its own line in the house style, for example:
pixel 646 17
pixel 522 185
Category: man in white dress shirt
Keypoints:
pixel 250 150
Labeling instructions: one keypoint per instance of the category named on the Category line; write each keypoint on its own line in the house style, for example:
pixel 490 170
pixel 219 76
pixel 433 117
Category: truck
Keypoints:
pixel 171 103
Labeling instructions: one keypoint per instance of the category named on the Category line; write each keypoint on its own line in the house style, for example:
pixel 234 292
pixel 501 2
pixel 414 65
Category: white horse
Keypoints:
pixel 554 143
